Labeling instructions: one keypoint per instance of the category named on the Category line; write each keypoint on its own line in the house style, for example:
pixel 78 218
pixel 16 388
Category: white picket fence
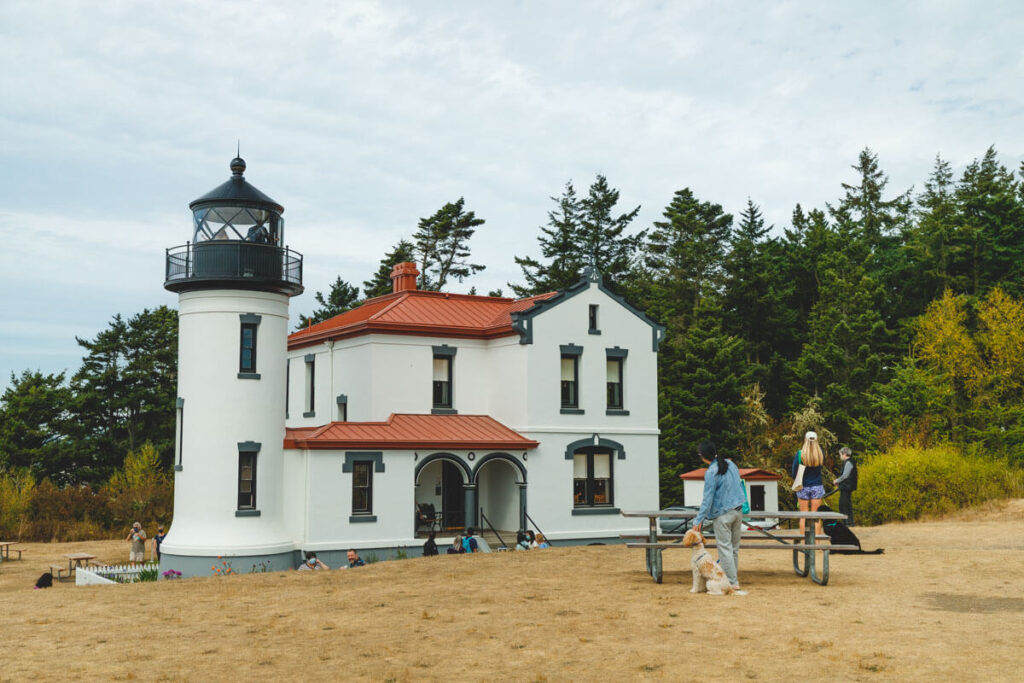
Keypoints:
pixel 102 575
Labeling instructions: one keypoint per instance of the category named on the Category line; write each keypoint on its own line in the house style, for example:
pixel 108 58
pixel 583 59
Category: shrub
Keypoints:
pixel 907 482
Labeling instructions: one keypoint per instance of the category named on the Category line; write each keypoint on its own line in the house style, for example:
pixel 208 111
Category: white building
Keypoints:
pixel 482 412
pixel 762 491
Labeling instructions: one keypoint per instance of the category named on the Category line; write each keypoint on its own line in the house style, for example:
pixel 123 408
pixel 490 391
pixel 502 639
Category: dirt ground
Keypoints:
pixel 945 602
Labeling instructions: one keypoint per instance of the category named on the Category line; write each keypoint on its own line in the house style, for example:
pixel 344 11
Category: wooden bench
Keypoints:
pixel 803 546
pixel 60 572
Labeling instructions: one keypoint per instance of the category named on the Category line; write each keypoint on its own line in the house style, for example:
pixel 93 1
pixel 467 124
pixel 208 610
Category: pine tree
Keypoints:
pixel 581 232
pixel 380 284
pixel 124 393
pixel 702 375
pixel 33 423
pixel 341 297
pixel 442 242
pixel 750 302
pixel 683 255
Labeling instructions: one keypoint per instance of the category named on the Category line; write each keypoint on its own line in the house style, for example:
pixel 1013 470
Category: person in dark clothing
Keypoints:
pixel 430 547
pixel 456 546
pixel 847 483
pixel 469 543
pixel 353 559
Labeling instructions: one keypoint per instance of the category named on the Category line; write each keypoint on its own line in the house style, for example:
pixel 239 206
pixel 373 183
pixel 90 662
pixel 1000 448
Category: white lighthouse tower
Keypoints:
pixel 233 281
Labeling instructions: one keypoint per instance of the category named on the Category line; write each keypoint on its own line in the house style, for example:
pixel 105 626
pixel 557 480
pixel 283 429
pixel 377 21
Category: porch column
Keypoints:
pixel 522 506
pixel 469 493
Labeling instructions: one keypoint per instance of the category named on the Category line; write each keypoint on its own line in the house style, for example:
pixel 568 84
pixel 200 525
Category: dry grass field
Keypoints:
pixel 945 602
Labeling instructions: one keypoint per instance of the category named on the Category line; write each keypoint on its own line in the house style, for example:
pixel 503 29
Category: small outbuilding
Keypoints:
pixel 762 490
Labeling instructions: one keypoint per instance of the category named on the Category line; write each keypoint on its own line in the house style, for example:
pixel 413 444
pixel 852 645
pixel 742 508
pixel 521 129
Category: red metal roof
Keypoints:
pixel 435 314
pixel 404 431
pixel 745 473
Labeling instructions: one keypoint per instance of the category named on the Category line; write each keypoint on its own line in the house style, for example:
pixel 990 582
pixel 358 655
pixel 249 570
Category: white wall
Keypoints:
pixel 221 410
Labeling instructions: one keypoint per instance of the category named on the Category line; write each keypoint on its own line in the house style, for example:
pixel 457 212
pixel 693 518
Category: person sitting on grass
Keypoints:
pixel 522 541
pixel 541 541
pixel 353 559
pixel 469 543
pixel 312 563
pixel 456 546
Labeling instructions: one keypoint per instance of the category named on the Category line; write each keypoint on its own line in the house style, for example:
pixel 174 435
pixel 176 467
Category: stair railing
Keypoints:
pixel 491 527
pixel 530 520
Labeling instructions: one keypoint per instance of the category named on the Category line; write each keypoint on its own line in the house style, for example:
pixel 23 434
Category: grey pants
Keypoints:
pixel 728 530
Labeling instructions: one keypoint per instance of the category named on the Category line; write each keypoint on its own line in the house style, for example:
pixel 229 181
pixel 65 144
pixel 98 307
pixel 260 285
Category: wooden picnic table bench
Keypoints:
pixel 803 548
pixel 6 550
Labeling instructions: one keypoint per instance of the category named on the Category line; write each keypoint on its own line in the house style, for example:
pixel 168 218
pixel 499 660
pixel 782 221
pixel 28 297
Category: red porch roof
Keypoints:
pixel 434 314
pixel 749 473
pixel 404 431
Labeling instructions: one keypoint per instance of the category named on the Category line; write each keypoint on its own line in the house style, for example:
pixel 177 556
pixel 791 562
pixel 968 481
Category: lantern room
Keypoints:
pixel 237 242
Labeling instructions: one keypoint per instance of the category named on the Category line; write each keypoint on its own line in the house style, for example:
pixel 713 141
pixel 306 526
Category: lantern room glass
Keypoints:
pixel 259 226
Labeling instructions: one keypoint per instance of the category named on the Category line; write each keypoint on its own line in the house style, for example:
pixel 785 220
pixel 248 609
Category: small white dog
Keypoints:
pixel 707 575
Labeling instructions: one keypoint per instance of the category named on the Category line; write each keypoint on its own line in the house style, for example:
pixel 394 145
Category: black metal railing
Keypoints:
pixel 233 260
pixel 541 533
pixel 493 530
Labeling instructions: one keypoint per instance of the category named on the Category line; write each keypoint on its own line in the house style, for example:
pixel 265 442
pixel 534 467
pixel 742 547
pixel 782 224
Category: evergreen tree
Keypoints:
pixel 750 302
pixel 342 297
pixel 581 232
pixel 558 246
pixel 33 424
pixel 932 243
pixel 442 242
pixel 702 375
pixel 683 255
pixel 992 217
pixel 124 393
pixel 845 351
pixel 380 284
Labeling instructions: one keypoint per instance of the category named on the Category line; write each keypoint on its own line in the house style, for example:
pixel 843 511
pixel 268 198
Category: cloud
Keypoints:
pixel 362 117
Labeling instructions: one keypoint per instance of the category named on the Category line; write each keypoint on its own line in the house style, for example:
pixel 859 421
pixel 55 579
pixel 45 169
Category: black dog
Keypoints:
pixel 840 534
pixel 45 581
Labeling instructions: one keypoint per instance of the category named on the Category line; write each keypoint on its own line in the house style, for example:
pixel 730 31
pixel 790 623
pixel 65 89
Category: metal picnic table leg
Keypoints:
pixel 808 555
pixel 823 579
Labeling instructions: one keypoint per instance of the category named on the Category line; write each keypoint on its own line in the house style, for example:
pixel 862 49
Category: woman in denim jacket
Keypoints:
pixel 723 505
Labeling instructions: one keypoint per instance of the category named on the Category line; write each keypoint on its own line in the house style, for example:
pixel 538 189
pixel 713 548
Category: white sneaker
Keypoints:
pixel 738 591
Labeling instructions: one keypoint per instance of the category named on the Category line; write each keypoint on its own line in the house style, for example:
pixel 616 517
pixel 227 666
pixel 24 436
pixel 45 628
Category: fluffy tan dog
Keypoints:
pixel 707 575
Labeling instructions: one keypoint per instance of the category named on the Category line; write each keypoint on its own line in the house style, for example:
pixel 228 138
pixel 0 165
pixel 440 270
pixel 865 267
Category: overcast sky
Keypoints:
pixel 360 118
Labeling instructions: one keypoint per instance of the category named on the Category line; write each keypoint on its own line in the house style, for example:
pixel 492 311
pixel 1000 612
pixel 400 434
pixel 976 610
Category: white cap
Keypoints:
pixel 811 435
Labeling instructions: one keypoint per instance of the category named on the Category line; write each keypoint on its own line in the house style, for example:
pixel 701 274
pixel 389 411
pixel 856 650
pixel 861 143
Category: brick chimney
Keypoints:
pixel 403 277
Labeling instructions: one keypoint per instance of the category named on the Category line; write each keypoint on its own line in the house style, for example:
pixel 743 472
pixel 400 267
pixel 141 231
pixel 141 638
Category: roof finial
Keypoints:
pixel 238 163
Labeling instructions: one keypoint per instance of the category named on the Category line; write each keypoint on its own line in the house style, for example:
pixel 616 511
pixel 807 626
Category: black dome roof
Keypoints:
pixel 236 192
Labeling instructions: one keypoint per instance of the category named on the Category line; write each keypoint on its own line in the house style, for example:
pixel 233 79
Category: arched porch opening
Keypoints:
pixel 501 484
pixel 441 480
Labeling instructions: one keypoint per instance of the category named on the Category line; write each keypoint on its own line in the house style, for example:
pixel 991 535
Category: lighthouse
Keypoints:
pixel 234 279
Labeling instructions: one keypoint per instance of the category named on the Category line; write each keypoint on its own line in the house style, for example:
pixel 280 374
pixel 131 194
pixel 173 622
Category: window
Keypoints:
pixel 180 403
pixel 362 465
pixel 342 402
pixel 442 398
pixel 593 320
pixel 247 346
pixel 570 382
pixel 614 383
pixel 247 356
pixel 362 488
pixel 287 384
pixel 592 478
pixel 247 480
pixel 310 386
pixel 442 382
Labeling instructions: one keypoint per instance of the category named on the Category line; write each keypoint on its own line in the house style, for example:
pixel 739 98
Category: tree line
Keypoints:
pixel 881 318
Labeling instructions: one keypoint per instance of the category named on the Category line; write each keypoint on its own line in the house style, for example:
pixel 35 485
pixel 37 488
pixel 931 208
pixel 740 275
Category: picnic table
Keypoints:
pixel 803 548
pixel 5 550
pixel 75 560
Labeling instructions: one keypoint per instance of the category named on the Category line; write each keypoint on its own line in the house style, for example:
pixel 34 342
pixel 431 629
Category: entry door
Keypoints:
pixel 453 502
